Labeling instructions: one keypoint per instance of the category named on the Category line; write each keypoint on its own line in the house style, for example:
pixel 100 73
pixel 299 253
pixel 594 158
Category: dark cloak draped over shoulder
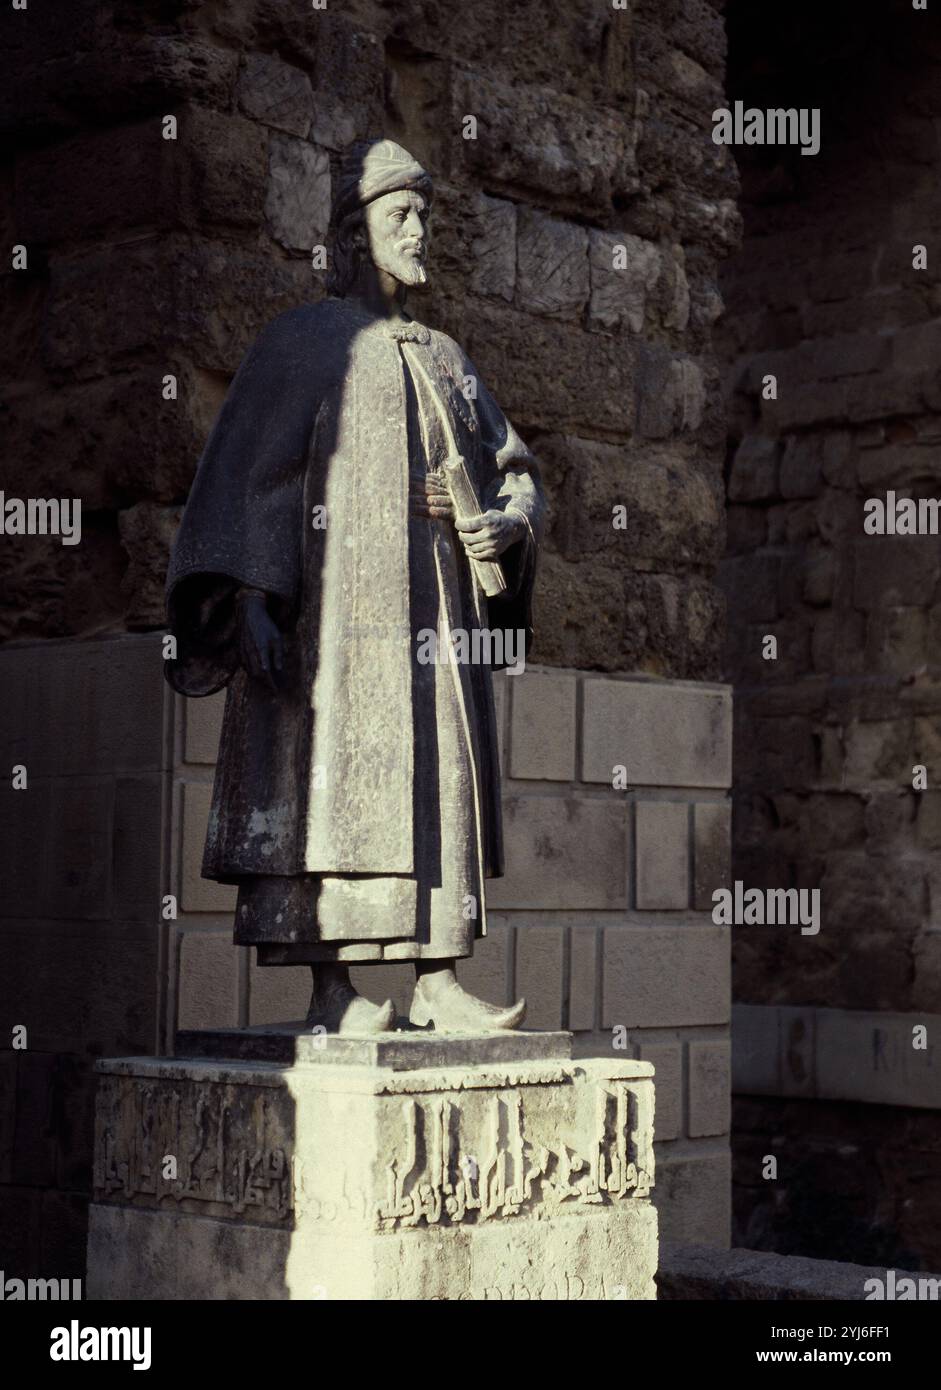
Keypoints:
pixel 315 422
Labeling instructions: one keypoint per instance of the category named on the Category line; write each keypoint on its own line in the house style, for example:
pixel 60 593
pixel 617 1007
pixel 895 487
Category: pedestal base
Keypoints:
pixel 279 1165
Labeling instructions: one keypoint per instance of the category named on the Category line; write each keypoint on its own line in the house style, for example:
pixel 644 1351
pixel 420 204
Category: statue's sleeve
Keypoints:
pixel 510 482
pixel 242 524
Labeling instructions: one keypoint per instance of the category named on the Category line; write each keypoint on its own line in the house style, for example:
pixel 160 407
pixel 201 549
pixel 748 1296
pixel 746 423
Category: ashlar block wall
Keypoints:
pixel 603 921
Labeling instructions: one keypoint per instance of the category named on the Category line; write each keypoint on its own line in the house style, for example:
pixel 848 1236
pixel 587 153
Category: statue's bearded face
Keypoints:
pixel 397 230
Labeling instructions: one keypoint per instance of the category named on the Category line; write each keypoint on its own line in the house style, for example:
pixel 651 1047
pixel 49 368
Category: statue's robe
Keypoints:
pixel 356 807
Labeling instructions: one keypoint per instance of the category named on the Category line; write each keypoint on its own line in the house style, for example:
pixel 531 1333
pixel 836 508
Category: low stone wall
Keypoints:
pixel 603 921
pixel 695 1272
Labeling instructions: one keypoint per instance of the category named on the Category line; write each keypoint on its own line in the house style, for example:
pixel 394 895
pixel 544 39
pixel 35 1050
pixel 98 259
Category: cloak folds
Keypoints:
pixel 318 778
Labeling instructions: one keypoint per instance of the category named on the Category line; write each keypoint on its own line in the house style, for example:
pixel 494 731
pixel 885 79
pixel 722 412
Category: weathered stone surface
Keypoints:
pixel 542 738
pixel 709 1088
pixel 665 976
pixel 754 470
pixel 545 852
pixel 661 832
pixel 693 1198
pixel 552 265
pixel 531 136
pixel 276 93
pixel 702 1272
pixel 664 735
pixel 297 204
pixel 619 295
pixel 147 532
pixel 712 848
pixel 360 1179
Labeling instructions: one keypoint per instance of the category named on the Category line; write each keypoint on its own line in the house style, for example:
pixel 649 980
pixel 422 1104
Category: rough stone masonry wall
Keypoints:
pixel 824 296
pixel 150 257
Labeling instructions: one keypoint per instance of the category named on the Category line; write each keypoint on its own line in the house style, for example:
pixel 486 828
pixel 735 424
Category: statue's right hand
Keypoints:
pixel 261 645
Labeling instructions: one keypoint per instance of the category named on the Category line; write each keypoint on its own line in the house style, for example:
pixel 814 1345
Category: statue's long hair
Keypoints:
pixel 349 248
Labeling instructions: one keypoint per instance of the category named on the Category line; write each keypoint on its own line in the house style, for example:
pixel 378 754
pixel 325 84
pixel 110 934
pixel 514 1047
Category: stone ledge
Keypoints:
pixel 835 1054
pixel 690 1272
pixel 401 1051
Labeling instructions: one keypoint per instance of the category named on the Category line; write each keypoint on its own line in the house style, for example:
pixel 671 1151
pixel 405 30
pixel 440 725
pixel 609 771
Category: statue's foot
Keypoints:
pixel 341 1010
pixel 450 1009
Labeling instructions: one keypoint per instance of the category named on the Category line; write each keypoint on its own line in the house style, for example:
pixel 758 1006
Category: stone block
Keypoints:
pixel 895 571
pixel 665 734
pixel 694 1199
pixel 25 836
pixel 926 989
pixel 115 1008
pixel 20 1226
pixel 348 69
pixel 619 295
pixel 364 1173
pixel 136 848
pixel 666 505
pixel 542 741
pixel 81 849
pixel 276 993
pixel 198 894
pixel 73 1116
pixel 537 138
pixel 592 376
pixel 552 265
pixel 671 393
pixel 34 1155
pixel 487 972
pixel 297 203
pixel 208 980
pixel 709 1088
pixel 147 531
pixel 540 957
pixel 712 850
pixel 754 475
pixel 381 980
pixel 275 93
pixel 583 978
pixel 203 725
pixel 797 1048
pixel 665 977
pixel 493 270
pixel 63 1235
pixel 802 467
pixel 8 1061
pixel 864 1056
pixel 662 849
pixel 696 1272
pixel 666 1059
pixel 755 1055
pixel 562 853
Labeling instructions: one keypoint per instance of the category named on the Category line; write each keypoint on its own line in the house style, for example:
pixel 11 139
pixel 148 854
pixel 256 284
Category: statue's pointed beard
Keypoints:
pixel 405 262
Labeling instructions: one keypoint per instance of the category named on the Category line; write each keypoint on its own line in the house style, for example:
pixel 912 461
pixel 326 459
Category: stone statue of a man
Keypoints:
pixel 356 801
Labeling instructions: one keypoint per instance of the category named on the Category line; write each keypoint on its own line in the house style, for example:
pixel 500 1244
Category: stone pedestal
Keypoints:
pixel 275 1164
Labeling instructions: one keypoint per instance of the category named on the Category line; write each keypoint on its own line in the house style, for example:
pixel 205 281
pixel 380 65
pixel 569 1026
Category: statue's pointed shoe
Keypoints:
pixel 450 1009
pixel 347 1013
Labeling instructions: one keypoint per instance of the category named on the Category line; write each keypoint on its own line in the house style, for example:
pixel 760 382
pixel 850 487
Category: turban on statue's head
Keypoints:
pixel 371 168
